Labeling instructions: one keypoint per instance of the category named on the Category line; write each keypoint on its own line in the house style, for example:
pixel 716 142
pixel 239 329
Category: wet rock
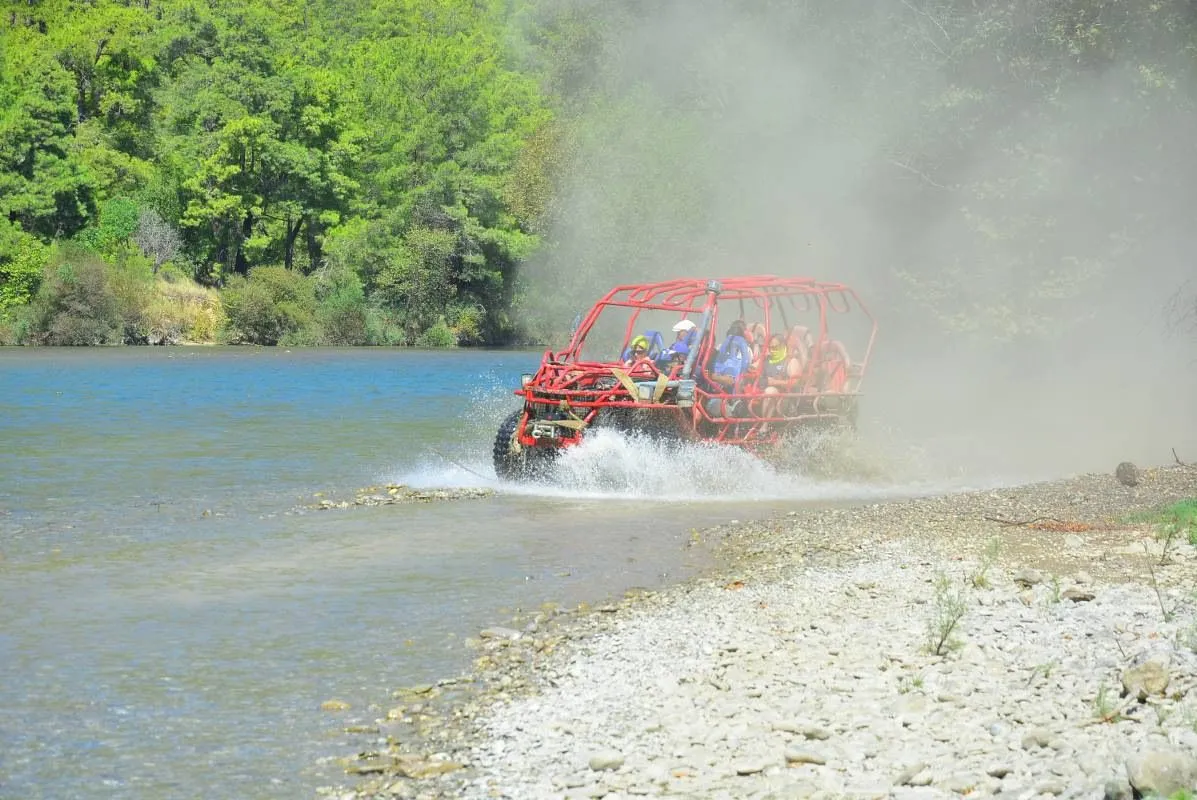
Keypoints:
pixel 422 769
pixel 334 705
pixel 500 633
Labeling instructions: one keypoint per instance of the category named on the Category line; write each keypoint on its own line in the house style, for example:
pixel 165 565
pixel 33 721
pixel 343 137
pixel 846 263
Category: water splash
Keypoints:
pixel 614 465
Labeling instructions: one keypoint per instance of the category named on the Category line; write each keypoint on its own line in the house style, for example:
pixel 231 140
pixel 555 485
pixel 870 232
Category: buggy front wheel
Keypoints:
pixel 513 461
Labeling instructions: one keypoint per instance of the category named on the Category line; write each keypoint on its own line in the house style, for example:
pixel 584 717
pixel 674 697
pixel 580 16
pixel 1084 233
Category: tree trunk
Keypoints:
pixel 293 229
pixel 315 248
pixel 240 265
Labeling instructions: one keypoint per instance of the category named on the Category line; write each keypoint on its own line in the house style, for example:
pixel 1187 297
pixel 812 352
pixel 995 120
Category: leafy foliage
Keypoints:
pixel 75 304
pixel 473 171
pixel 269 305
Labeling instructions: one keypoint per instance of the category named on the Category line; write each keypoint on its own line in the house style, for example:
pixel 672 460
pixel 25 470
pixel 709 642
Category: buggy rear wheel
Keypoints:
pixel 514 462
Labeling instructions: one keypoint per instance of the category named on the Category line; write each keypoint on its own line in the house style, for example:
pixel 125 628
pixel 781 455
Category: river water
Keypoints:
pixel 173 612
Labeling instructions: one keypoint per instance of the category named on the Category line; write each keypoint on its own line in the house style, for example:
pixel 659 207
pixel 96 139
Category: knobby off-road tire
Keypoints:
pixel 515 463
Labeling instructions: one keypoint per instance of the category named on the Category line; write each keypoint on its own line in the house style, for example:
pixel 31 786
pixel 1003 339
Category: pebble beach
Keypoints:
pixel 1026 642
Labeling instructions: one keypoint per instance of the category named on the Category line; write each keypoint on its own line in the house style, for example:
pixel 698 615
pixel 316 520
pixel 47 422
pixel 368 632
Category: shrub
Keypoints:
pixel 272 303
pixel 158 239
pixel 132 282
pixel 22 262
pixel 341 314
pixel 467 324
pixel 382 328
pixel 439 335
pixel 14 326
pixel 183 311
pixel 75 304
pixel 117 223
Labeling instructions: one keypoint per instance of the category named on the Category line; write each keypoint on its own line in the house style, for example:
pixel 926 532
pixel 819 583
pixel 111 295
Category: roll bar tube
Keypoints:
pixel 713 290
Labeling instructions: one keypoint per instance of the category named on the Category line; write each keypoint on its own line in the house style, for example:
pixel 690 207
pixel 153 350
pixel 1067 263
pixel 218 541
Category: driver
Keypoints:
pixel 637 351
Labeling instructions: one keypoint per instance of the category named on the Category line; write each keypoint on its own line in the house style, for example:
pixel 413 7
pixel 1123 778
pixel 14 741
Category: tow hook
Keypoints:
pixel 544 430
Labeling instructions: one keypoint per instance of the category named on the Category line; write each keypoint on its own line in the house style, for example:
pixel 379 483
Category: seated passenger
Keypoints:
pixel 686 331
pixel 756 339
pixel 799 344
pixel 782 371
pixel 732 358
pixel 653 345
pixel 675 359
pixel 833 367
pixel 637 351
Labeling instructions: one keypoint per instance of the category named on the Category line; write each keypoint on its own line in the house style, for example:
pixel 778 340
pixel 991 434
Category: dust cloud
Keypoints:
pixel 1017 227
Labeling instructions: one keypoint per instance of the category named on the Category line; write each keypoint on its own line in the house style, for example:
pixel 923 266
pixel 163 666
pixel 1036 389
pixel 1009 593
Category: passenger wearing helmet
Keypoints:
pixel 686 334
pixel 637 351
pixel 675 359
pixel 686 330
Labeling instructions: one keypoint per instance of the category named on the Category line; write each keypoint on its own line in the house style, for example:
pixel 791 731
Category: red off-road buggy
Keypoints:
pixel 743 361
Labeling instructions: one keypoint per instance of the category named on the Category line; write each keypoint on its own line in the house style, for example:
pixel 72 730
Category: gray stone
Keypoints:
pixel 1163 772
pixel 1036 738
pixel 961 784
pixel 1077 595
pixel 796 756
pixel 1118 788
pixel 1127 474
pixel 905 777
pixel 751 766
pixel 606 760
pixel 803 729
pixel 499 633
pixel 1145 680
pixel 1028 577
pixel 1051 786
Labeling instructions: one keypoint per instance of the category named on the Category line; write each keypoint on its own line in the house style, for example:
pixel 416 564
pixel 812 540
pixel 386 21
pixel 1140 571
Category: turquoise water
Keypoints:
pixel 172 616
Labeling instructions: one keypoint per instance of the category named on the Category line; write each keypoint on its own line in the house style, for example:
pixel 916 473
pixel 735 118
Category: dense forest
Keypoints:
pixel 442 172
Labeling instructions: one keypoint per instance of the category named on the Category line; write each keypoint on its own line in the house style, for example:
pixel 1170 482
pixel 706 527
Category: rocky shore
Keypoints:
pixel 1036 641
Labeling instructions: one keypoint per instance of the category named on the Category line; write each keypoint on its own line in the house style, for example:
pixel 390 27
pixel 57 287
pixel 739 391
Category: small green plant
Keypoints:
pixel 980 578
pixel 1054 597
pixel 909 683
pixel 1104 708
pixel 1176 522
pixel 1168 613
pixel 1187 638
pixel 948 608
pixel 1044 669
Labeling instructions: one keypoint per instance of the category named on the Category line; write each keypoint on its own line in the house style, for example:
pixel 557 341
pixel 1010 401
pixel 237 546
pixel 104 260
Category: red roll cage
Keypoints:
pixel 570 389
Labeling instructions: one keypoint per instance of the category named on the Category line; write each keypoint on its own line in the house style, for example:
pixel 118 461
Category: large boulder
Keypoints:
pixel 1161 772
pixel 1127 474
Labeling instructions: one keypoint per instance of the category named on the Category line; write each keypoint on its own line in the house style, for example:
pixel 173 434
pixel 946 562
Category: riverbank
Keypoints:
pixel 1031 641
